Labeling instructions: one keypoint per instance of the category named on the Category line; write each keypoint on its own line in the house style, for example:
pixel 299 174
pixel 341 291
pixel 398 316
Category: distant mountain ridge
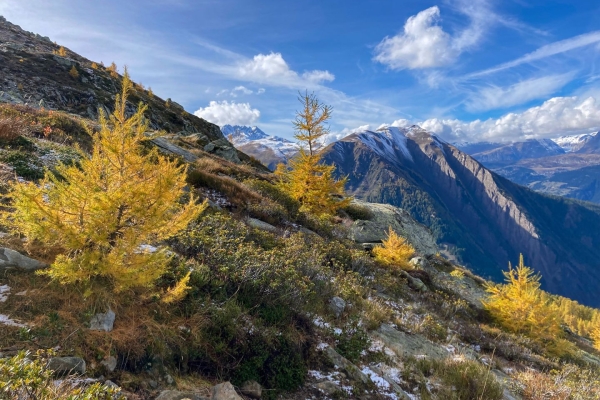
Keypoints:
pixel 268 149
pixel 485 219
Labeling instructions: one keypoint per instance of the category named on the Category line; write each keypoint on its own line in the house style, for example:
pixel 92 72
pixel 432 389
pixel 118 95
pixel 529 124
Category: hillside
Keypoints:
pixel 258 300
pixel 482 217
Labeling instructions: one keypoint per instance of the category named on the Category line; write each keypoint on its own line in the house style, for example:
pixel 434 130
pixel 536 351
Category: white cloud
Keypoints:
pixel 242 89
pixel 335 136
pixel 548 50
pixel 557 116
pixel 223 112
pixel 422 44
pixel 273 69
pixel 260 91
pixel 494 97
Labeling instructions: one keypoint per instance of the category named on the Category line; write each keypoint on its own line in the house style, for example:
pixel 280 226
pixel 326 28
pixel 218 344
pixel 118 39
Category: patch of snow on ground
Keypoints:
pixel 4 292
pixel 377 380
pixel 320 323
pixel 146 248
pixel 5 320
pixel 322 346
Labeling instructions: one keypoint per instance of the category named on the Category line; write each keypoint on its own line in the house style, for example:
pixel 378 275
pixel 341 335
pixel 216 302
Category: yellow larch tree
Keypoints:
pixel 305 178
pixel 102 214
pixel 521 306
pixel 395 251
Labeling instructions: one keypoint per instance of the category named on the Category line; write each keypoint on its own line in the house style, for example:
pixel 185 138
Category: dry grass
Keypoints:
pixel 11 129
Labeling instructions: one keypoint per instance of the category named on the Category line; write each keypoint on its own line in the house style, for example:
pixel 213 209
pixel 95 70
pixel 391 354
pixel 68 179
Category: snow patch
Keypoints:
pixel 4 292
pixel 5 320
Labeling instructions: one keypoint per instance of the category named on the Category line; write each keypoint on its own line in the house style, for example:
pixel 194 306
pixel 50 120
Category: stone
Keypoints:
pixel 328 387
pixel 166 147
pixel 209 147
pixel 111 384
pixel 405 345
pixel 110 363
pixel 224 391
pixel 177 395
pixel 385 216
pixel 341 362
pixel 417 262
pixel 67 365
pixel 103 321
pixel 169 379
pixel 337 305
pixel 251 389
pixel 258 224
pixel 13 259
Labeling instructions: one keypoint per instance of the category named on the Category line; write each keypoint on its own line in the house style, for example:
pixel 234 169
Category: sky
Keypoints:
pixel 468 70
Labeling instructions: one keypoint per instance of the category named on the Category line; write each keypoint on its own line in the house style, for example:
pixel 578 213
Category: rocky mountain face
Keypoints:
pixel 34 73
pixel 269 150
pixel 481 217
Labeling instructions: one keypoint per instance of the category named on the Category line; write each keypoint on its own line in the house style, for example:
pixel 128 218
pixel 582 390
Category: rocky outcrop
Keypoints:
pixel 405 345
pixel 384 217
pixel 67 365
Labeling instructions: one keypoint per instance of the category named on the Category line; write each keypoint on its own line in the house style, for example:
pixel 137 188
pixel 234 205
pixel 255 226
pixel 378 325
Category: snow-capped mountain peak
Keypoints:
pixel 240 134
pixel 573 143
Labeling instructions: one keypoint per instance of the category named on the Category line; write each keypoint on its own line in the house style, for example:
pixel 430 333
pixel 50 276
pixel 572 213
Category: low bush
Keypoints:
pixel 358 212
pixel 26 377
pixel 568 383
pixel 395 252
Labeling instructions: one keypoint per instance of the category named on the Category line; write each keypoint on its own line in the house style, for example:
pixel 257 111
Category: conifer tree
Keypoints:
pixel 100 214
pixel 395 251
pixel 74 73
pixel 306 179
pixel 522 307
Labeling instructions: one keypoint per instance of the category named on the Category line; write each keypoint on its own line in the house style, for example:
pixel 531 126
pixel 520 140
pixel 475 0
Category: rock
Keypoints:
pixel 417 262
pixel 209 147
pixel 415 283
pixel 177 395
pixel 166 147
pixel 111 384
pixel 385 216
pixel 258 224
pixel 169 379
pixel 405 345
pixel 103 321
pixel 110 363
pixel 67 365
pixel 341 362
pixel 13 259
pixel 328 387
pixel 337 305
pixel 224 391
pixel 251 389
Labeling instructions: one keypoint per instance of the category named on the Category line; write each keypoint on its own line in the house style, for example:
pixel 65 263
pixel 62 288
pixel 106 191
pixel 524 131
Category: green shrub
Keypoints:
pixel 24 164
pixel 26 377
pixel 357 212
pixel 352 341
pixel 275 193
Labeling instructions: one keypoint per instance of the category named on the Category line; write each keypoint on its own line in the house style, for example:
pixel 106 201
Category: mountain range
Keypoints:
pixel 268 149
pixel 567 166
pixel 481 217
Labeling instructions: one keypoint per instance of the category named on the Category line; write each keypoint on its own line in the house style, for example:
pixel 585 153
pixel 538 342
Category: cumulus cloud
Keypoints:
pixel 422 44
pixel 555 117
pixel 273 69
pixel 335 136
pixel 494 97
pixel 222 113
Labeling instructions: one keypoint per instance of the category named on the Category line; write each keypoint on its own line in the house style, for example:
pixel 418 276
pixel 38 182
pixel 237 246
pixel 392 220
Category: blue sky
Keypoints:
pixel 465 69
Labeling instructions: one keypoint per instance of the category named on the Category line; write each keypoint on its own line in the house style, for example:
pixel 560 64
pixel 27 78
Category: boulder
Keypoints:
pixel 385 216
pixel 258 224
pixel 177 395
pixel 13 259
pixel 103 321
pixel 67 365
pixel 405 345
pixel 341 362
pixel 110 363
pixel 251 389
pixel 166 147
pixel 328 387
pixel 337 305
pixel 224 391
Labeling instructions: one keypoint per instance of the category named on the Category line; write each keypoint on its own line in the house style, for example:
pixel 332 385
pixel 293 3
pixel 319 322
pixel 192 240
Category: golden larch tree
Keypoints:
pixel 521 306
pixel 305 178
pixel 101 214
pixel 74 73
pixel 395 251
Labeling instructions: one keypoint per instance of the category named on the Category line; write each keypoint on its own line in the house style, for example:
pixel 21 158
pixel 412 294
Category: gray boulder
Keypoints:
pixel 67 365
pixel 337 305
pixel 385 216
pixel 251 389
pixel 103 321
pixel 328 387
pixel 405 345
pixel 177 395
pixel 258 224
pixel 224 391
pixel 341 362
pixel 110 363
pixel 13 259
